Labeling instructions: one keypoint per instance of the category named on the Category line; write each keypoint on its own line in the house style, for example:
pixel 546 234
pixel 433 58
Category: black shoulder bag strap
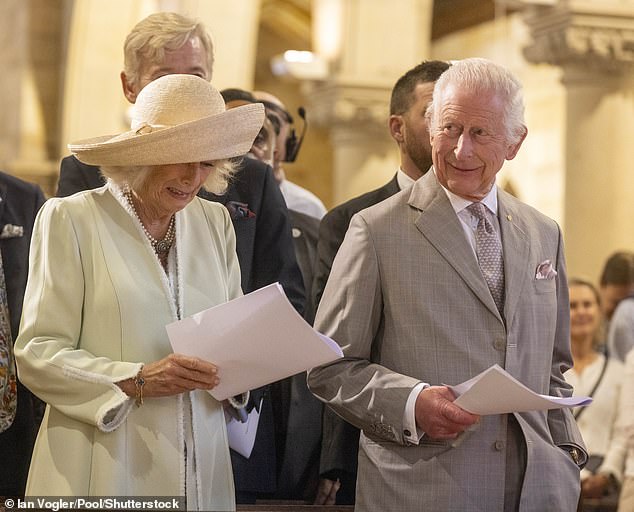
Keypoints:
pixel 594 389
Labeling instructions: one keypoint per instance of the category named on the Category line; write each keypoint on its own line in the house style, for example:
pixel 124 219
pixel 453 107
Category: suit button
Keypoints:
pixel 499 445
pixel 407 433
pixel 499 344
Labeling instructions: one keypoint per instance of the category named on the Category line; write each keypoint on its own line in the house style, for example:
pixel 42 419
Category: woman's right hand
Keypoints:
pixel 173 375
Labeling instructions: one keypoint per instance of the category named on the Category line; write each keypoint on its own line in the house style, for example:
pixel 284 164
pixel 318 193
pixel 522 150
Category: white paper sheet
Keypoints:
pixel 241 435
pixel 254 340
pixel 494 391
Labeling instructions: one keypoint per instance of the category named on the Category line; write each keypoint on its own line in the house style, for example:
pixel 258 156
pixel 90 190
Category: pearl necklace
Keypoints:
pixel 163 246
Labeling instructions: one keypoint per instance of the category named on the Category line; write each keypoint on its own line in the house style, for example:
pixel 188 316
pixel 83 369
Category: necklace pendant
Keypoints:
pixel 162 246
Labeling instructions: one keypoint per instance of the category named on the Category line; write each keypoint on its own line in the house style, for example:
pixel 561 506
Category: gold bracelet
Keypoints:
pixel 139 382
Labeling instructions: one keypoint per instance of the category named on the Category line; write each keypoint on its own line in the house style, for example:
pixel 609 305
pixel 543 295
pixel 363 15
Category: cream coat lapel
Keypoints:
pixel 439 223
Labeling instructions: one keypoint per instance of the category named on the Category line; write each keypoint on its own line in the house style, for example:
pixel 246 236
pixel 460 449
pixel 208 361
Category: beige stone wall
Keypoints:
pixel 62 61
pixel 380 40
pixel 32 38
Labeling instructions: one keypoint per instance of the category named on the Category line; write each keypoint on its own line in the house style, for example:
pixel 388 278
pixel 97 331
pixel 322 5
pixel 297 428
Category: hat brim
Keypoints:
pixel 224 135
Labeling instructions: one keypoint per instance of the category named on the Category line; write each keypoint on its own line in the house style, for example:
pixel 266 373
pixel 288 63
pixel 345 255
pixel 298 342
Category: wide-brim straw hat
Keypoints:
pixel 176 119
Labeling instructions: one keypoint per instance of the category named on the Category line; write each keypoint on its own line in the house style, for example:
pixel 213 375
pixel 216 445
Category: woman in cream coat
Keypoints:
pixel 109 269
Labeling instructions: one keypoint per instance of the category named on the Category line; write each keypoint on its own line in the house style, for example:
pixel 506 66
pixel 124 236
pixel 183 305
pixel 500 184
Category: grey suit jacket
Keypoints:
pixel 407 302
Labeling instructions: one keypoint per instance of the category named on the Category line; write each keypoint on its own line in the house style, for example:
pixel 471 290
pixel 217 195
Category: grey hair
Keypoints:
pixel 149 39
pixel 482 76
pixel 135 177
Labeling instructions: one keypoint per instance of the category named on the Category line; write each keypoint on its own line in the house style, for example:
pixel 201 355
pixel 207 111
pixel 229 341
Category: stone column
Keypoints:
pixel 31 35
pixel 593 43
pixel 380 40
pixel 93 101
pixel 12 52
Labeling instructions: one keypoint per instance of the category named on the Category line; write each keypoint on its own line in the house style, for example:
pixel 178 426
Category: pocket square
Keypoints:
pixel 12 231
pixel 545 270
pixel 239 210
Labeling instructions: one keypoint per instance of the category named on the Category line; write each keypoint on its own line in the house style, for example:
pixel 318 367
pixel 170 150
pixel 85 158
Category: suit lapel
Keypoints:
pixel 516 252
pixel 440 225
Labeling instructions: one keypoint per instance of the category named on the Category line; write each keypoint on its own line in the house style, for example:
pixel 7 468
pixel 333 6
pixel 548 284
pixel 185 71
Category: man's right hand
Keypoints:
pixel 438 416
pixel 327 491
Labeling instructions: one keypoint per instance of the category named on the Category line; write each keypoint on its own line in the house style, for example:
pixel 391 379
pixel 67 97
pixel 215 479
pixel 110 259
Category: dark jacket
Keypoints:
pixel 333 229
pixel 297 409
pixel 19 204
pixel 340 440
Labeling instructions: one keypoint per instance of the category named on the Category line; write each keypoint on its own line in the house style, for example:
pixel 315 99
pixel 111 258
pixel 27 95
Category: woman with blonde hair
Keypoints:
pixel 594 374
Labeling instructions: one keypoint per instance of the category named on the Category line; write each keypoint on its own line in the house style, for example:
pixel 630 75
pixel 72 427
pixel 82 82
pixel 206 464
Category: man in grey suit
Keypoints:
pixel 408 302
pixel 409 100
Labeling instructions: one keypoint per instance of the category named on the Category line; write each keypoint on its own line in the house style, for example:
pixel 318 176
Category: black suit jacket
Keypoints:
pixel 19 204
pixel 340 440
pixel 332 231
pixel 297 410
pixel 265 252
pixel 305 230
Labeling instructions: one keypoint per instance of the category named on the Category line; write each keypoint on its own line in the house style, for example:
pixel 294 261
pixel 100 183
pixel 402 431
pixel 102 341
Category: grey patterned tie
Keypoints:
pixel 489 251
pixel 8 382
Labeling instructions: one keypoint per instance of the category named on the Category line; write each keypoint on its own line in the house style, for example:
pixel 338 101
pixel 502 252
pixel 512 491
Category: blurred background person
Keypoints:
pixel 624 439
pixel 618 286
pixel 616 281
pixel 287 144
pixel 599 376
pixel 110 268
pixel 297 411
pixel 20 411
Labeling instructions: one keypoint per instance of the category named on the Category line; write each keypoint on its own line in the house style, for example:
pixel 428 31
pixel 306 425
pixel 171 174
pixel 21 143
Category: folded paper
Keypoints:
pixel 254 340
pixel 494 391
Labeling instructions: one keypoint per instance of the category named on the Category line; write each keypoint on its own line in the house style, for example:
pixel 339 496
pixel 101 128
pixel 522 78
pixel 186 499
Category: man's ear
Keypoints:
pixel 395 124
pixel 129 90
pixel 512 149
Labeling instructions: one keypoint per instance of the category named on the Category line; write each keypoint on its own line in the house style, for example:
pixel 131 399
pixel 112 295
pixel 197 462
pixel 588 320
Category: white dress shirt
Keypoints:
pixel 302 200
pixel 403 180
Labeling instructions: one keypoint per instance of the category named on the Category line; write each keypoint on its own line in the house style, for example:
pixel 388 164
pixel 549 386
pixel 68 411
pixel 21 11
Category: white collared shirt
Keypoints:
pixel 467 219
pixel 403 180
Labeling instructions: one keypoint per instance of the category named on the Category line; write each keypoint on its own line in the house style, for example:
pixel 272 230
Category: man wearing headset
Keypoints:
pixel 297 198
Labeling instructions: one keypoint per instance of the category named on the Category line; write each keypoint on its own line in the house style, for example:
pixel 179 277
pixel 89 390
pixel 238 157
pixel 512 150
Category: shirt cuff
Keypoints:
pixel 411 432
